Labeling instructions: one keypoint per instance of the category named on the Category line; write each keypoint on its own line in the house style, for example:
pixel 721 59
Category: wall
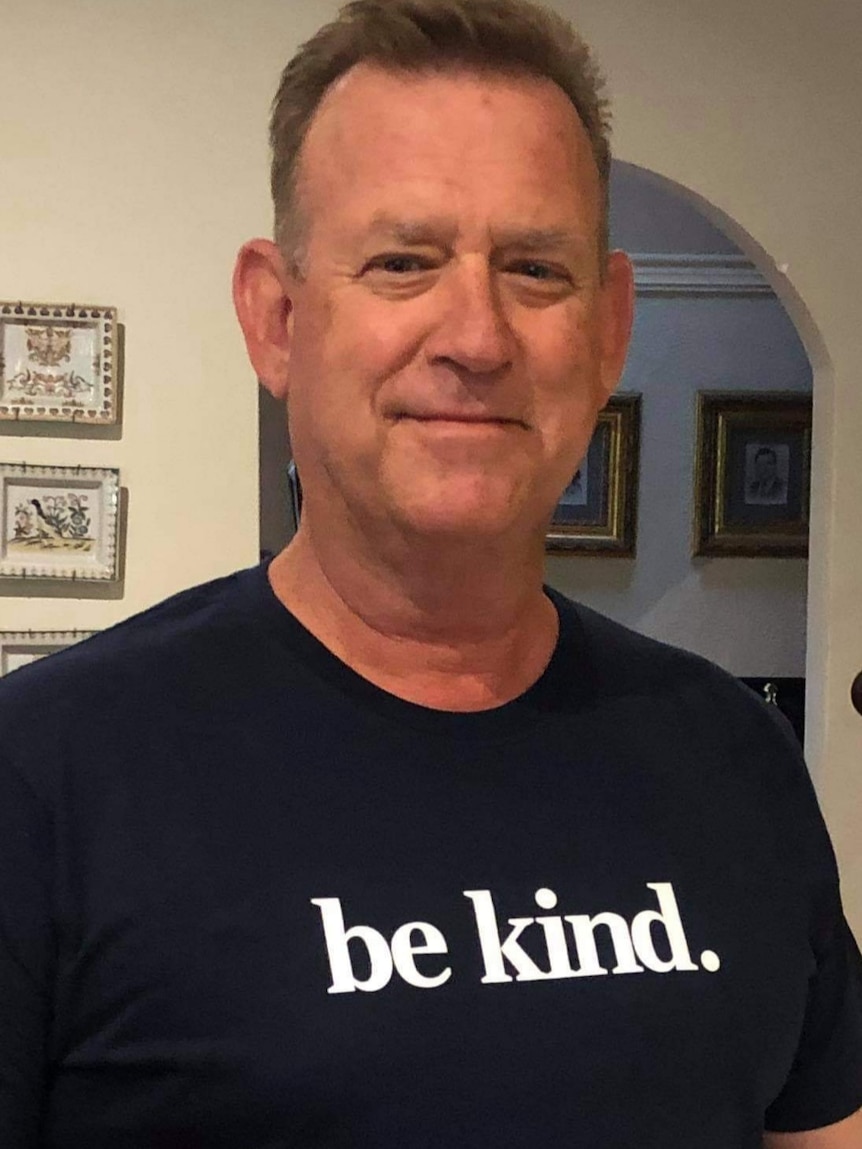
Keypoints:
pixel 134 163
pixel 131 174
pixel 648 214
pixel 683 343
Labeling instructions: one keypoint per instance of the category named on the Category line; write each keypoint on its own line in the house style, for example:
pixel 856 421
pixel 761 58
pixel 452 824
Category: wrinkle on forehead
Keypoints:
pixel 423 136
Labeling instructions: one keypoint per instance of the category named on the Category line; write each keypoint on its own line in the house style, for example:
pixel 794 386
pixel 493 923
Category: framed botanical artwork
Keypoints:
pixel 58 522
pixel 752 473
pixel 21 647
pixel 597 512
pixel 58 362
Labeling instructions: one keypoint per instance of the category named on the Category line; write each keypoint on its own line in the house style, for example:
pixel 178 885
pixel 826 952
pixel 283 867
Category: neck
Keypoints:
pixel 452 626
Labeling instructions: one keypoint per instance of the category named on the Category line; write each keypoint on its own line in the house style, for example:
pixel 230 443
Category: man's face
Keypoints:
pixel 765 465
pixel 451 342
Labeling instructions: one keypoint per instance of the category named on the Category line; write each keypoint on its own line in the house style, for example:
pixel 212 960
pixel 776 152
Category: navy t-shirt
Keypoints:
pixel 250 900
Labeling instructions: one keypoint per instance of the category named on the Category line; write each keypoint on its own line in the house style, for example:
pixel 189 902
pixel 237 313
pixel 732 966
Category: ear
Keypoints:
pixel 616 313
pixel 262 299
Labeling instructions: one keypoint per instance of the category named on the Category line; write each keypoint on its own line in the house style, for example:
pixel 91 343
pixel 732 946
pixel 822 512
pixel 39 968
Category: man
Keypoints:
pixel 766 485
pixel 383 844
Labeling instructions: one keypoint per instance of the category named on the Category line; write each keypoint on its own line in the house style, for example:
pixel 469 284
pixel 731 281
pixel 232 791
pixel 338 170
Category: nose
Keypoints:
pixel 472 331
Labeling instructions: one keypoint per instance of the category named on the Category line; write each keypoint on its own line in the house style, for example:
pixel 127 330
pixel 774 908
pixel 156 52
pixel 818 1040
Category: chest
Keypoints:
pixel 369 938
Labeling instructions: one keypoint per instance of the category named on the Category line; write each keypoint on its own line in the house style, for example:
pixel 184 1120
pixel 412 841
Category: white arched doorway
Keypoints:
pixel 707 320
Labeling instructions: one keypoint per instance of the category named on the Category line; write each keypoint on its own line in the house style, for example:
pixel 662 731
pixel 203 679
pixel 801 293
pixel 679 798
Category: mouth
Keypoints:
pixel 460 419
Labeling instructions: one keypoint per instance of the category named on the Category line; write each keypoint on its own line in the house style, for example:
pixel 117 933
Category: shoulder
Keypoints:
pixel 639 674
pixel 622 660
pixel 147 648
pixel 705 734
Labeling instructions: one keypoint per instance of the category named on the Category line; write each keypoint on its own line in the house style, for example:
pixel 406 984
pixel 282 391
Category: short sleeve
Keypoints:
pixel 26 960
pixel 824 1084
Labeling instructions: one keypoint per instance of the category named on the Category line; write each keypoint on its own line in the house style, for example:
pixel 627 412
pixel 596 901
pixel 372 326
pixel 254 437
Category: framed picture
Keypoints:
pixel 19 648
pixel 295 490
pixel 597 512
pixel 58 362
pixel 788 694
pixel 58 522
pixel 752 473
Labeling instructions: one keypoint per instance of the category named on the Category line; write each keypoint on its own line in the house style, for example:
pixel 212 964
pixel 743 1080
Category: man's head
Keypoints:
pixel 507 37
pixel 455 325
pixel 765 462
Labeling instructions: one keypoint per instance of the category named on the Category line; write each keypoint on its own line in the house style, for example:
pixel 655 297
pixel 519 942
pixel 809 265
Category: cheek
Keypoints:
pixel 322 373
pixel 360 333
pixel 568 428
pixel 573 396
pixel 567 409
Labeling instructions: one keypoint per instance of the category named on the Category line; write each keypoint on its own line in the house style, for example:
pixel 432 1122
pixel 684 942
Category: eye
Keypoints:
pixel 400 274
pixel 396 263
pixel 533 269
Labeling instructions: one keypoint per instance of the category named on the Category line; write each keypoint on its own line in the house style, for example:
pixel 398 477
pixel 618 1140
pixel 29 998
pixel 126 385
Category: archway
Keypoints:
pixel 714 314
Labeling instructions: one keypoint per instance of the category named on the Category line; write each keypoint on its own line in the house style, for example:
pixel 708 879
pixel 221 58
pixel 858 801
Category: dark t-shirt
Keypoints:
pixel 249 900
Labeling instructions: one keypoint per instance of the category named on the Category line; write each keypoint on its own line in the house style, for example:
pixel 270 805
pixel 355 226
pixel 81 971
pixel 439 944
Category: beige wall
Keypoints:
pixel 133 164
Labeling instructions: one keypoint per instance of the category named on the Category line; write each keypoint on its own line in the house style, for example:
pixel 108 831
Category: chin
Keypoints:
pixel 481 520
pixel 472 503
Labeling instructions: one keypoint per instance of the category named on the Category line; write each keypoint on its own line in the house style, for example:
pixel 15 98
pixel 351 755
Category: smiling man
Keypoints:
pixel 384 843
pixel 457 223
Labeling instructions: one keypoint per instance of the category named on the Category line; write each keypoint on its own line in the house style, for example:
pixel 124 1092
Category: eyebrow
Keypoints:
pixel 412 231
pixel 441 229
pixel 541 239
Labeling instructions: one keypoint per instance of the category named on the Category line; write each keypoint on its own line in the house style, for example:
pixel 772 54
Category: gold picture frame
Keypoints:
pixel 597 512
pixel 752 474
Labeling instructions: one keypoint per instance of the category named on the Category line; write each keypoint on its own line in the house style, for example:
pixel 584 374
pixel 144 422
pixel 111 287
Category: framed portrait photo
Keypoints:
pixel 597 512
pixel 58 362
pixel 58 522
pixel 752 473
pixel 19 648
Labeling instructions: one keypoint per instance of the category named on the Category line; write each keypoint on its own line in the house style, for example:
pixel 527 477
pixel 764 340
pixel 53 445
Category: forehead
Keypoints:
pixel 465 135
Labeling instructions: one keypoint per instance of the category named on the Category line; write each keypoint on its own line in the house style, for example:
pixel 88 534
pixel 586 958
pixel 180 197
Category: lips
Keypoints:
pixel 463 417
